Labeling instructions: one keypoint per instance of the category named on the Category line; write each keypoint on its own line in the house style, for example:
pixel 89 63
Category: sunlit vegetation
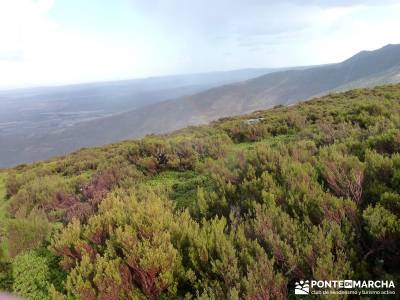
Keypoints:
pixel 3 212
pixel 238 209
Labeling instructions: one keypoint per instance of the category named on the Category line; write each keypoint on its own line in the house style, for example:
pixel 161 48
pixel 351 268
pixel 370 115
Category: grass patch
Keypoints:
pixel 182 186
pixel 168 178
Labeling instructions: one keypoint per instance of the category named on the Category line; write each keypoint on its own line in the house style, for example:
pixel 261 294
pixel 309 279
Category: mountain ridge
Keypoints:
pixel 284 87
pixel 365 69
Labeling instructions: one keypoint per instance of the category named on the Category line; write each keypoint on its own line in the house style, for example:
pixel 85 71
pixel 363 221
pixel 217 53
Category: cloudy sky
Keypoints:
pixel 46 42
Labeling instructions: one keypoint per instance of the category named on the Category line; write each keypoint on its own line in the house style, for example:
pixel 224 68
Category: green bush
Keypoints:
pixel 31 276
pixel 239 209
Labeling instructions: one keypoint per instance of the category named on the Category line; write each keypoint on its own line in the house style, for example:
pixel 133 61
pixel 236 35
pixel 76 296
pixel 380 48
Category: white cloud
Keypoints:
pixel 23 27
pixel 22 23
pixel 37 51
pixel 341 32
pixel 176 36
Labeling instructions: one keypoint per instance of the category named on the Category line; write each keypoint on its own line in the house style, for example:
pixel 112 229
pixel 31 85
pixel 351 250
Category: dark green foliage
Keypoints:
pixel 35 273
pixel 239 209
pixel 6 276
pixel 31 276
pixel 383 227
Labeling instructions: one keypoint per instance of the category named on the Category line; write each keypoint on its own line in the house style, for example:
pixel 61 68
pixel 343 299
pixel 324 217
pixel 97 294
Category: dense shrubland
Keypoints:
pixel 234 210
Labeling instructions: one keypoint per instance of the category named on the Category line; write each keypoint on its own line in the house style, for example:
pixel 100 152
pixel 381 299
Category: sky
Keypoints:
pixel 53 42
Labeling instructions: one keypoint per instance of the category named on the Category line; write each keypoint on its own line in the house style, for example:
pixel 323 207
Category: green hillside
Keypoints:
pixel 239 209
pixel 280 87
pixel 3 203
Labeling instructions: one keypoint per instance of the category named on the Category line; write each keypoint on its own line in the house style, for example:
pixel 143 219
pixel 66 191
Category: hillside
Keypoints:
pixel 286 87
pixel 27 116
pixel 366 69
pixel 238 209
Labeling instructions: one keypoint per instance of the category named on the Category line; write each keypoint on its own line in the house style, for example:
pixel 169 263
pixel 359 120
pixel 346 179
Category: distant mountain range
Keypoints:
pixel 106 98
pixel 28 116
pixel 227 94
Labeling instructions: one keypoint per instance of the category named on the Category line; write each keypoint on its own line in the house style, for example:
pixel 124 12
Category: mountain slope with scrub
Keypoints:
pixel 365 69
pixel 238 209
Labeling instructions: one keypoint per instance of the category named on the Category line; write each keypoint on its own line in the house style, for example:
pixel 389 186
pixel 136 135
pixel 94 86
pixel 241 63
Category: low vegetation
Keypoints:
pixel 233 210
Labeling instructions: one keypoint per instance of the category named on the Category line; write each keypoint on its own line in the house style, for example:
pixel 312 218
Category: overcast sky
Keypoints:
pixel 46 42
